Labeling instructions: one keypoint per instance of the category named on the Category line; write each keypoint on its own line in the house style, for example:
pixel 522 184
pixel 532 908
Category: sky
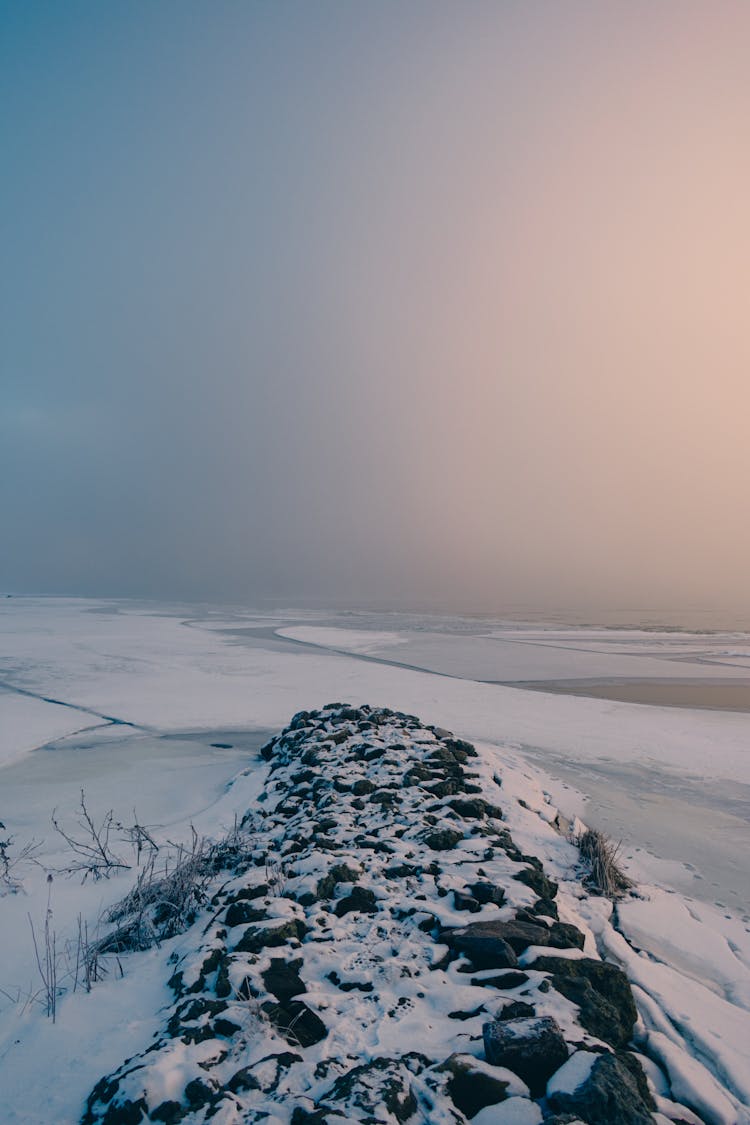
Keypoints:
pixel 402 303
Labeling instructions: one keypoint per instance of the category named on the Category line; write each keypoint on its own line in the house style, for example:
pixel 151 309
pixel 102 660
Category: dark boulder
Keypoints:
pixel 360 899
pixel 609 1094
pixel 256 938
pixel 486 943
pixel 519 935
pixel 443 839
pixel 533 1048
pixel 602 993
pixel 240 912
pixel 463 901
pixel 536 879
pixel 298 1025
pixel 339 873
pixel 379 1090
pixel 282 979
pixel 487 892
pixel 483 944
pixel 562 935
pixel 470 1088
pixel 474 808
pixel 544 906
pixel 512 979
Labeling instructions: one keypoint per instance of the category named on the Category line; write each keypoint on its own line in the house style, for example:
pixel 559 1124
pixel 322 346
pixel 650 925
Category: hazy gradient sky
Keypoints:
pixel 386 301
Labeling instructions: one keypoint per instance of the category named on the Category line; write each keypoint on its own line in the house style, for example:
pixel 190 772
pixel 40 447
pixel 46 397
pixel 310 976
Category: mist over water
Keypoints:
pixel 423 305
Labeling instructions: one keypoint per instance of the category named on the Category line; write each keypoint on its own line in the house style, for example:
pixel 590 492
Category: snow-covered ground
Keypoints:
pixel 127 702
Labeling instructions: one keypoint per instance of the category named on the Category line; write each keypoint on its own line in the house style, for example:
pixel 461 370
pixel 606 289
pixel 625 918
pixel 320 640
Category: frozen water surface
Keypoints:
pixel 672 783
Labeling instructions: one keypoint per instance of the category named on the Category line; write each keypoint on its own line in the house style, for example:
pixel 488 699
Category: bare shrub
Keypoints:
pixel 91 847
pixel 233 850
pixel 164 900
pixel 600 856
pixel 11 862
pixel 140 837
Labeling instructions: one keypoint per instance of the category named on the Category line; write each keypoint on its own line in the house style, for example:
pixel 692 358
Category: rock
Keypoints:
pixel 243 1079
pixel 339 873
pixel 240 912
pixel 562 935
pixel 462 901
pixel 602 1090
pixel 448 787
pixel 365 1092
pixel 512 979
pixel 124 1112
pixel 470 1088
pixel 169 1112
pixel 474 808
pixel 475 939
pixel 557 935
pixel 256 938
pixel 260 1075
pixel 460 749
pixel 520 935
pixel 601 991
pixel 199 1093
pixel 443 839
pixel 564 1119
pixel 295 1021
pixel 538 882
pixel 303 1116
pixel 486 892
pixel 248 894
pixel 402 871
pixel 459 1014
pixel 386 797
pixel 517 1009
pixel 282 979
pixel 544 906
pixel 485 947
pixel 360 899
pixel 533 1048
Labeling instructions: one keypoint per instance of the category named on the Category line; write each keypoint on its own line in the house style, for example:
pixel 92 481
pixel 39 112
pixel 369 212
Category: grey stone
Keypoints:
pixel 470 1088
pixel 601 991
pixel 611 1095
pixel 483 944
pixel 533 1048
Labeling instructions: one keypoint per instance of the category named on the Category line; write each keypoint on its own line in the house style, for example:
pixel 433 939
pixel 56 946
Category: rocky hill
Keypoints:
pixel 374 946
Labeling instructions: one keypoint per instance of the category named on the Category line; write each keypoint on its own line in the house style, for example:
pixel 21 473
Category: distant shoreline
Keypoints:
pixel 706 695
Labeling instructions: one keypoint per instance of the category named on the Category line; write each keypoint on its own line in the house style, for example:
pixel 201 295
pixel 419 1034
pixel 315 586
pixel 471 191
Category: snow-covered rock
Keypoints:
pixel 330 977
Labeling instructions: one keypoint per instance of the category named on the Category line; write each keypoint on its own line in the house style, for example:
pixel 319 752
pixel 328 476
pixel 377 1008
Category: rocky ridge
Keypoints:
pixel 379 950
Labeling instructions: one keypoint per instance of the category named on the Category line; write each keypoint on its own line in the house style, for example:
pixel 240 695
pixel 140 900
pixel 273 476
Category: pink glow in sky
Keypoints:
pixel 410 302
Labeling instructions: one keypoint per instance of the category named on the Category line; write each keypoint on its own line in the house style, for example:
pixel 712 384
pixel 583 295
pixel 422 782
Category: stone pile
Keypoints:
pixel 382 952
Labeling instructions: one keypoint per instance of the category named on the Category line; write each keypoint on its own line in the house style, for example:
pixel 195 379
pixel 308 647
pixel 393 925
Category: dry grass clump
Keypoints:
pixel 603 872
pixel 173 885
pixel 164 901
